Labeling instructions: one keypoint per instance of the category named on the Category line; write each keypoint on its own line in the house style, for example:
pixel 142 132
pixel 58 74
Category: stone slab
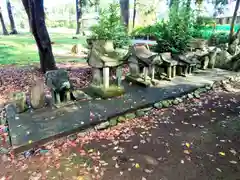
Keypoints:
pixel 29 129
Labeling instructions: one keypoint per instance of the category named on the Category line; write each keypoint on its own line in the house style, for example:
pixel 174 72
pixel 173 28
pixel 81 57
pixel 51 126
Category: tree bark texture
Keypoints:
pixel 78 14
pixel 233 21
pixel 10 15
pixel 124 5
pixel 134 12
pixel 35 12
pixel 4 29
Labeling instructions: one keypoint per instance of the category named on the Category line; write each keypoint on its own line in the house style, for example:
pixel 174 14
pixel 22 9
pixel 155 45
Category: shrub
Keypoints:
pixel 219 38
pixel 110 26
pixel 176 32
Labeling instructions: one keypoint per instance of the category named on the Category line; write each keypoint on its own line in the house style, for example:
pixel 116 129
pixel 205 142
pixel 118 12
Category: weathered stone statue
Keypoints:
pixel 142 64
pixel 103 57
pixel 18 99
pixel 202 56
pixel 58 82
pixel 213 51
pixel 37 95
pixel 187 63
pixel 169 64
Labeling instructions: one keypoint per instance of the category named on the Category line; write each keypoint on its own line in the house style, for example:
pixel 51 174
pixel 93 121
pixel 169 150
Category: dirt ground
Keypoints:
pixel 196 140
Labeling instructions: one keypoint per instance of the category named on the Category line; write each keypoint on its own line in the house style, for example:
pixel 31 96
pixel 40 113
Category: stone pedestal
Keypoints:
pixel 174 71
pixel 169 72
pixel 153 73
pixel 106 77
pixel 145 73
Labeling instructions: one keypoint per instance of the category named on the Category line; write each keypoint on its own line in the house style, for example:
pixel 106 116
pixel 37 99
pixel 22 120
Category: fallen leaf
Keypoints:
pixel 186 152
pixel 233 151
pixel 137 165
pixel 233 162
pixel 222 153
pixel 187 144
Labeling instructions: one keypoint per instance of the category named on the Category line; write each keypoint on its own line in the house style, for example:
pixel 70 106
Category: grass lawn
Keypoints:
pixel 22 50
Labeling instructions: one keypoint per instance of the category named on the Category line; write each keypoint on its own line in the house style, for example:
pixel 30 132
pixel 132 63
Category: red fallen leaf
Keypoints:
pixel 72 143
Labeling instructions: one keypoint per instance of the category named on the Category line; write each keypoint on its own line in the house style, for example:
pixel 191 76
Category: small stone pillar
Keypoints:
pixel 205 62
pixel 106 77
pixel 185 70
pixel 153 72
pixel 145 73
pixel 119 76
pixel 169 72
pixel 174 71
pixel 190 69
pixel 179 70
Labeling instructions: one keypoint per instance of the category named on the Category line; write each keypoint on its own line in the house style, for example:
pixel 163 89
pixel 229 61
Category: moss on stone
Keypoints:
pixel 121 119
pixel 112 91
pixel 113 121
pixel 130 116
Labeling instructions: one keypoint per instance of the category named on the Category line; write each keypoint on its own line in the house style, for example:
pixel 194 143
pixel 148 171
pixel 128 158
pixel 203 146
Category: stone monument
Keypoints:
pixel 102 58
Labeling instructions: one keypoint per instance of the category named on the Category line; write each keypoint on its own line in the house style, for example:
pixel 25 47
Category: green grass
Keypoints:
pixel 22 50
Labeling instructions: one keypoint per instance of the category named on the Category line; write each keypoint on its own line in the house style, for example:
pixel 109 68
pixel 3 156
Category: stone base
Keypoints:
pixel 60 105
pixel 100 91
pixel 138 81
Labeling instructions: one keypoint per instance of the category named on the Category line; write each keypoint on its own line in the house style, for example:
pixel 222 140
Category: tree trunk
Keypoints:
pixel 78 14
pixel 134 12
pixel 35 12
pixel 4 29
pixel 10 15
pixel 124 4
pixel 233 22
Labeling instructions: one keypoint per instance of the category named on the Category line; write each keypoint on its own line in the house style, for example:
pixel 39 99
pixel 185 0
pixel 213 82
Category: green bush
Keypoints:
pixel 219 38
pixel 110 26
pixel 176 32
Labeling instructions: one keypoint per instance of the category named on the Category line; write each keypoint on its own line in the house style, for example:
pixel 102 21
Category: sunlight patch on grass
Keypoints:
pixel 21 49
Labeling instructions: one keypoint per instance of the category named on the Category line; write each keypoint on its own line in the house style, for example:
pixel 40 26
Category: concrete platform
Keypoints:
pixel 34 128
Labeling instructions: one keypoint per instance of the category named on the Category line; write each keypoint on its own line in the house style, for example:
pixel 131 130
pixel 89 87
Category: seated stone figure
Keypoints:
pixel 58 82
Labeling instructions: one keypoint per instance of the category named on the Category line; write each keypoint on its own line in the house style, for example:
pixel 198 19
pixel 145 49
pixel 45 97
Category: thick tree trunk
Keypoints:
pixel 233 22
pixel 10 15
pixel 134 12
pixel 124 4
pixel 4 29
pixel 35 12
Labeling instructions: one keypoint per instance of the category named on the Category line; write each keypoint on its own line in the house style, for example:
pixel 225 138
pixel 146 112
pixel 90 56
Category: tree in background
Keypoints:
pixel 4 29
pixel 134 12
pixel 233 21
pixel 10 15
pixel 35 13
pixel 124 5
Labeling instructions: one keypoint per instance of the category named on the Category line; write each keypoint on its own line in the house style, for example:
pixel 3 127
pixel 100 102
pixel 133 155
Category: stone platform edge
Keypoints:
pixel 123 116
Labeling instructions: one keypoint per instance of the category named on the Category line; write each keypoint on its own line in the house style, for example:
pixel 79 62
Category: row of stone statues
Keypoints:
pixel 144 64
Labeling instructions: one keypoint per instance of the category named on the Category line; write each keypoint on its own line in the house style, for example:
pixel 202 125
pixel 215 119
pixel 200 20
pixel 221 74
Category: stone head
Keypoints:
pixel 58 80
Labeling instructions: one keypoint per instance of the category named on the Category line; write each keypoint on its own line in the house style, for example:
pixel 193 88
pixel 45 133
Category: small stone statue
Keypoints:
pixel 19 100
pixel 59 83
pixel 37 95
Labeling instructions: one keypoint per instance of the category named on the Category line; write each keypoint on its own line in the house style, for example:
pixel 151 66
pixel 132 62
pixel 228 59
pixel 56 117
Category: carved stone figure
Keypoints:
pixel 103 56
pixel 58 82
pixel 19 101
pixel 187 63
pixel 169 64
pixel 142 64
pixel 213 51
pixel 37 95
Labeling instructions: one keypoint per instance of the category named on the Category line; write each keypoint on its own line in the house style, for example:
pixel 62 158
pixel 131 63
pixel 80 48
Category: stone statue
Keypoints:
pixel 19 101
pixel 213 51
pixel 37 95
pixel 60 85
